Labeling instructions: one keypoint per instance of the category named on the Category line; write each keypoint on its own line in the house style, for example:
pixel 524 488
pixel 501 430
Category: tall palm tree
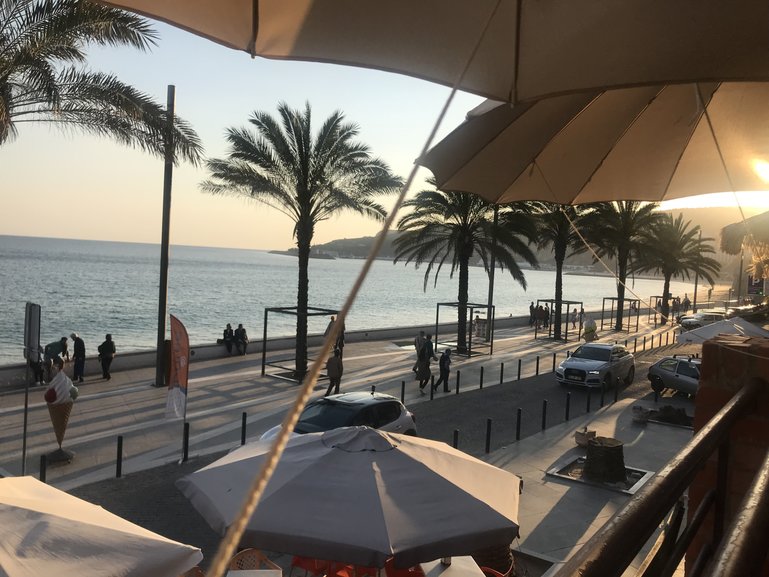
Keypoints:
pixel 555 230
pixel 673 248
pixel 616 230
pixel 279 163
pixel 454 226
pixel 42 50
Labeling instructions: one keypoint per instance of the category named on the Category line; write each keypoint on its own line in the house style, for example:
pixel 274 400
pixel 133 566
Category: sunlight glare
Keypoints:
pixel 761 168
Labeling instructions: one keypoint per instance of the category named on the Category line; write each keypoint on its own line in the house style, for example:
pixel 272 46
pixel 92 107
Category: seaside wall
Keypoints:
pixel 14 377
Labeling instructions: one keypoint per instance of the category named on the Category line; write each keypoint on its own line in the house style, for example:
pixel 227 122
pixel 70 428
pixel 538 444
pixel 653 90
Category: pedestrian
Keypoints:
pixel 78 354
pixel 52 351
pixel 686 303
pixel 228 335
pixel 581 316
pixel 444 367
pixel 36 365
pixel 339 344
pixel 241 339
pixel 106 354
pixel 329 326
pixel 426 354
pixel 419 342
pixel 334 370
pixel 532 314
pixel 546 317
pixel 574 318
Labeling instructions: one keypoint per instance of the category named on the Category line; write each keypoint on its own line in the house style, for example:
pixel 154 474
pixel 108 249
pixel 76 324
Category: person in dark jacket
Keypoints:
pixel 334 370
pixel 444 366
pixel 52 351
pixel 106 354
pixel 426 353
pixel 241 339
pixel 78 354
pixel 228 336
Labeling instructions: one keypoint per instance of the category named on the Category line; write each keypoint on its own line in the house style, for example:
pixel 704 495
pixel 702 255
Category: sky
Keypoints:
pixel 73 185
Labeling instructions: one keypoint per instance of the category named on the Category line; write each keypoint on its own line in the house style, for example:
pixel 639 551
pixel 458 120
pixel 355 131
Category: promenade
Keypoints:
pixel 555 516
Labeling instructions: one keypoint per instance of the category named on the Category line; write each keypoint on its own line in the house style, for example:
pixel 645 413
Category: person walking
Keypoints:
pixel 228 335
pixel 339 345
pixel 532 314
pixel 78 354
pixel 106 354
pixel 241 339
pixel 334 370
pixel 444 367
pixel 329 326
pixel 419 342
pixel 426 354
pixel 574 318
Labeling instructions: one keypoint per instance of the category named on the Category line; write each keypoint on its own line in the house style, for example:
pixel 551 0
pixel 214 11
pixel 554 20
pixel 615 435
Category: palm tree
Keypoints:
pixel 673 249
pixel 454 226
pixel 279 163
pixel 555 230
pixel 42 49
pixel 616 230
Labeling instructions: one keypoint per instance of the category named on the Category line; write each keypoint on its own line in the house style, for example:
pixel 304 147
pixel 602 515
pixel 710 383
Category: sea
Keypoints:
pixel 98 287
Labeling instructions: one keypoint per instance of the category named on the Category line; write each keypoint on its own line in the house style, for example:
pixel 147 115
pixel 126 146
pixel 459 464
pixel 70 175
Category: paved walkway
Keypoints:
pixel 556 515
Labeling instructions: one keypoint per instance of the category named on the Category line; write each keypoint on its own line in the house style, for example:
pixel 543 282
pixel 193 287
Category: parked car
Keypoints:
pixel 597 364
pixel 700 319
pixel 675 373
pixel 375 410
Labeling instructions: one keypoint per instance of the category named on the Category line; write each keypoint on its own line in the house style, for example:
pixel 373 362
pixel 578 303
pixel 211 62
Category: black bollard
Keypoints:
pixel 536 372
pixel 587 408
pixel 603 394
pixel 544 414
pixel 119 463
pixel 432 391
pixel 568 354
pixel 635 344
pixel 667 336
pixel 186 443
pixel 616 394
pixel 518 425
pixel 403 391
pixel 501 372
pixel 488 436
pixel 243 428
pixel 455 444
pixel 553 363
pixel 457 382
pixel 373 389
pixel 625 342
pixel 656 397
pixel 480 384
pixel 43 464
pixel 568 405
pixel 644 342
pixel 519 368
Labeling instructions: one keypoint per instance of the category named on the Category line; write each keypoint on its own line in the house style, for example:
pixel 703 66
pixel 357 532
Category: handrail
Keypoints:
pixel 611 549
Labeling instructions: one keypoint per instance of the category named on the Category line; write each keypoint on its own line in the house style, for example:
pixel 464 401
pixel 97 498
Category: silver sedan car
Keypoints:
pixel 675 373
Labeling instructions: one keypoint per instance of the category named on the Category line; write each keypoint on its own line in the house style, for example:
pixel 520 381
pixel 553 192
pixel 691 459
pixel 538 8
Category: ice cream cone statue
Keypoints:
pixel 59 397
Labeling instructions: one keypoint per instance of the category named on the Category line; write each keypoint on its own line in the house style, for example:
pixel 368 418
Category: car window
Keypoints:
pixel 668 365
pixel 686 369
pixel 387 413
pixel 366 416
pixel 324 415
pixel 592 353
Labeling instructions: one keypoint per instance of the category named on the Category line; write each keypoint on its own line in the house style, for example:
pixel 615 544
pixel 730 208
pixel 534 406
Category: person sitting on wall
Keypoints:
pixel 241 339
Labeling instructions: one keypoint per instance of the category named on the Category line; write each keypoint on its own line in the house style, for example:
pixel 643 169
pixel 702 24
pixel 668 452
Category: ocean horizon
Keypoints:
pixel 97 287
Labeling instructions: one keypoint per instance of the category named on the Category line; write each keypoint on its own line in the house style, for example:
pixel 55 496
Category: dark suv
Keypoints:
pixel 375 410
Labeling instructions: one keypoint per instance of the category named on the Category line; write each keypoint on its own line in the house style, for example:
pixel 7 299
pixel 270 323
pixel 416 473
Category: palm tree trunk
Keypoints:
pixel 622 275
pixel 304 238
pixel 665 302
pixel 464 282
pixel 560 256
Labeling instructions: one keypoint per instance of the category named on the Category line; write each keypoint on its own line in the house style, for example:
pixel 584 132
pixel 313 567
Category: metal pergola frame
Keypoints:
pixel 292 311
pixel 628 316
pixel 567 322
pixel 472 308
pixel 653 312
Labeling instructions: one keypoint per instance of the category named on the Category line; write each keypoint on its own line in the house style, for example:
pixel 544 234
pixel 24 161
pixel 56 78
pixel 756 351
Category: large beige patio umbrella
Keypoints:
pixel 647 143
pixel 359 495
pixel 44 531
pixel 526 49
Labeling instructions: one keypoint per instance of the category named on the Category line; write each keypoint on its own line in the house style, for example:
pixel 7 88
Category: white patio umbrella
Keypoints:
pixel 44 531
pixel 526 49
pixel 734 326
pixel 645 143
pixel 359 495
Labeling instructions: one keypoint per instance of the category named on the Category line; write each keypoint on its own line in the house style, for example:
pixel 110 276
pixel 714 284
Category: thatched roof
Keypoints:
pixel 756 228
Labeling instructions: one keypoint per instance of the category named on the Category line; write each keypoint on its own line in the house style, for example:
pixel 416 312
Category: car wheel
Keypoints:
pixel 657 385
pixel 411 433
pixel 630 376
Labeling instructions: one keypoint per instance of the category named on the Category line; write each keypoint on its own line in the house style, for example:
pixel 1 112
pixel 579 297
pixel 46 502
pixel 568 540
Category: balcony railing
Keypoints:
pixel 731 552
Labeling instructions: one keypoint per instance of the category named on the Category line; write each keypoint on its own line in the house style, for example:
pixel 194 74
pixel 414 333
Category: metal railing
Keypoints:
pixel 733 553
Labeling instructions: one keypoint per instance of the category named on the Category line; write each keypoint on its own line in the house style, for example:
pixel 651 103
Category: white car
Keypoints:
pixel 375 410
pixel 597 365
pixel 700 319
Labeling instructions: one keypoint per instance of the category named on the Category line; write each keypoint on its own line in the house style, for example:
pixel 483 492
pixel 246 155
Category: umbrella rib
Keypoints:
pixel 254 28
pixel 513 92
